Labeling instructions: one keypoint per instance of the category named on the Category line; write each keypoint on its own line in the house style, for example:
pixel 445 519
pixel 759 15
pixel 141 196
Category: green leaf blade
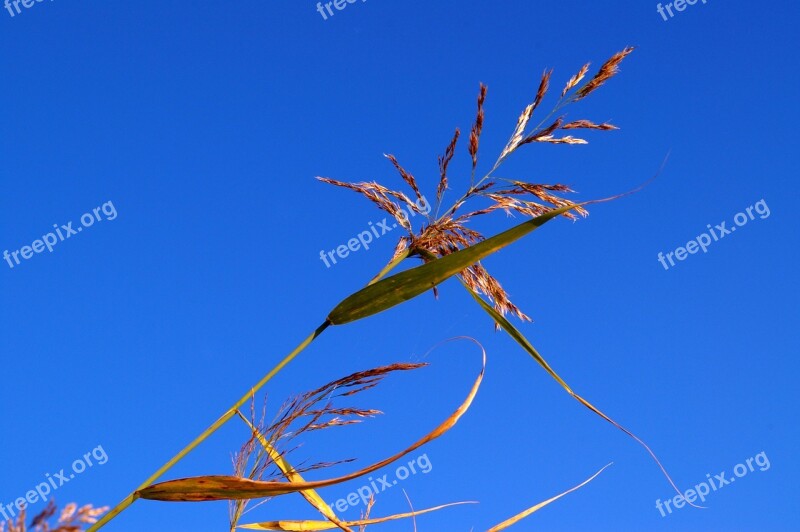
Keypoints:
pixel 407 285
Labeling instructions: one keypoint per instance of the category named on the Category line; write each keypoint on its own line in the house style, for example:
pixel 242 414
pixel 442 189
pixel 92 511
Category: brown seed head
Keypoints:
pixel 444 162
pixel 574 80
pixel 475 135
pixel 586 124
pixel 408 178
pixel 536 135
pixel 544 84
pixel 609 69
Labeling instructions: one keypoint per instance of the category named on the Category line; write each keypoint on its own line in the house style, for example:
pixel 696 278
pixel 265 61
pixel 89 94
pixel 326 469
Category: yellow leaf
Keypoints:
pixel 218 487
pixel 520 516
pixel 304 526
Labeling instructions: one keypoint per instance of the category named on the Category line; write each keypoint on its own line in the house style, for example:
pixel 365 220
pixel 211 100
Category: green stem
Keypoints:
pixel 127 501
pixel 390 266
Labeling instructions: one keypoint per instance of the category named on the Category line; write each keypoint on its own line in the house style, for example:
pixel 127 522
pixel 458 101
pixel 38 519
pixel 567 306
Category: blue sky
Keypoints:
pixel 204 124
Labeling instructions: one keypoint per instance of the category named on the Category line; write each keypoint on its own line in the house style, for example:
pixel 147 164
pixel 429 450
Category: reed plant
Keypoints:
pixel 447 245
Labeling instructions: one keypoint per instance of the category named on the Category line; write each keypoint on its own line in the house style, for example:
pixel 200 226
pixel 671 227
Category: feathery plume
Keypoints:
pixel 71 519
pixel 444 162
pixel 477 128
pixel 587 124
pixel 449 233
pixel 534 137
pixel 305 413
pixel 609 69
pixel 516 138
pixel 561 140
pixel 408 178
pixel 574 80
pixel 544 84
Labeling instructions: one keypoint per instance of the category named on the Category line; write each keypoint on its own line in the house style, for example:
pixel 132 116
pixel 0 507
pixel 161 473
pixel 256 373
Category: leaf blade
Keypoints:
pixel 220 487
pixel 512 331
pixel 292 475
pixel 303 526
pixel 407 285
pixel 522 515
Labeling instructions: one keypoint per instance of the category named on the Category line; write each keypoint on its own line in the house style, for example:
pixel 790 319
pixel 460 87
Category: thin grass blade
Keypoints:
pixel 519 517
pixel 313 526
pixel 512 331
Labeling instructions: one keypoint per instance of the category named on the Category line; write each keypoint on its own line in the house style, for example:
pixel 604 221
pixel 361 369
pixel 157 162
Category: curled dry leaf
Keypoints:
pixel 218 487
pixel 264 454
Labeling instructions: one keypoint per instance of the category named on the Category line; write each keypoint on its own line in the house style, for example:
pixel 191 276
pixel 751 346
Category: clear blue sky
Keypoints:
pixel 204 123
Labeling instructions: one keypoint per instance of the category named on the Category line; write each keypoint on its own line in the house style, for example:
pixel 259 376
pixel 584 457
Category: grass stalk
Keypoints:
pixel 131 498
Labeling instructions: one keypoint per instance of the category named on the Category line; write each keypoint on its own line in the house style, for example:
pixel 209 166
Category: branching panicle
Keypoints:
pixel 305 413
pixel 70 519
pixel 444 234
